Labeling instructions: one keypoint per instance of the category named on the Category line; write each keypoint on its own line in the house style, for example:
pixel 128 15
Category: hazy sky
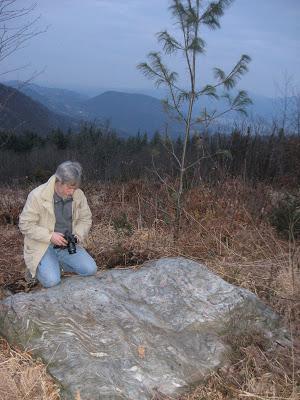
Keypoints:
pixel 96 44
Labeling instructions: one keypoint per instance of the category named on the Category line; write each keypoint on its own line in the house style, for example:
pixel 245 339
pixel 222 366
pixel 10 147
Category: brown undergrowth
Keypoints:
pixel 227 228
pixel 23 378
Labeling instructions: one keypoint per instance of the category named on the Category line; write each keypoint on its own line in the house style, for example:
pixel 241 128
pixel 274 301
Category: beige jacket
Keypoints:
pixel 37 221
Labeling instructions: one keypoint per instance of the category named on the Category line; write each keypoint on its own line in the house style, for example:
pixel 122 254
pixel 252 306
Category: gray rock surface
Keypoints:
pixel 128 334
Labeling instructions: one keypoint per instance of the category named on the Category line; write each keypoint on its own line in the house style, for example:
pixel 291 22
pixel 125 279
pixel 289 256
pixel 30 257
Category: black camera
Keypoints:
pixel 72 240
pixel 71 245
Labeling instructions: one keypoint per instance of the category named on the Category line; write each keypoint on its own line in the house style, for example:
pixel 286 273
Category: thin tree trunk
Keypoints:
pixel 177 222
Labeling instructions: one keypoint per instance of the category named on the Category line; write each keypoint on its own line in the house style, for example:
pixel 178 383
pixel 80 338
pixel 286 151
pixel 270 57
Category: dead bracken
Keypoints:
pixel 223 227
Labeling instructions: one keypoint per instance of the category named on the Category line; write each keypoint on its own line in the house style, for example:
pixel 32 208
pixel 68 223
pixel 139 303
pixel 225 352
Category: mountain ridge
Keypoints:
pixel 132 113
pixel 20 112
pixel 129 113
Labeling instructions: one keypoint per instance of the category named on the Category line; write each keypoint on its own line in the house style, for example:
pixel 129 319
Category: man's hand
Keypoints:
pixel 58 239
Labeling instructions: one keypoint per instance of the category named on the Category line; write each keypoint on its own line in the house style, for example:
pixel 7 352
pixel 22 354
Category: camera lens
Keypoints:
pixel 71 248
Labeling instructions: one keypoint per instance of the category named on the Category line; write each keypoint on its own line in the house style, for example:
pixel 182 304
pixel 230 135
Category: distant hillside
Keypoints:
pixel 262 107
pixel 60 101
pixel 130 112
pixel 19 112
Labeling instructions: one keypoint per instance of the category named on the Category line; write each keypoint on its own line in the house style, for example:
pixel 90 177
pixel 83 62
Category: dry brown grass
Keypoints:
pixel 22 378
pixel 225 227
pixel 11 254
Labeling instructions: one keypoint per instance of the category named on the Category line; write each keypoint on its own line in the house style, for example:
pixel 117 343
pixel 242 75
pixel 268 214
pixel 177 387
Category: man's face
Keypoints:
pixel 65 190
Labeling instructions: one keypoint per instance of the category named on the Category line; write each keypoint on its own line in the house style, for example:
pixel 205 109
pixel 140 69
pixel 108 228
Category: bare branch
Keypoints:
pixel 160 178
pixel 15 29
pixel 172 153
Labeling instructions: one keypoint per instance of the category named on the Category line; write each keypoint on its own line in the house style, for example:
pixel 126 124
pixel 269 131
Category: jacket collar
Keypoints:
pixel 48 190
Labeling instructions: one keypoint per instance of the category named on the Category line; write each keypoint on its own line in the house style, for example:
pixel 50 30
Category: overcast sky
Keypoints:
pixel 96 44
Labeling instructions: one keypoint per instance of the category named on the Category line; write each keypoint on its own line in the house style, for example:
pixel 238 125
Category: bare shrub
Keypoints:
pixel 285 216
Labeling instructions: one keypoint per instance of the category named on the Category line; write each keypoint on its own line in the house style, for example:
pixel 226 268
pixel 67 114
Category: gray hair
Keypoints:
pixel 69 172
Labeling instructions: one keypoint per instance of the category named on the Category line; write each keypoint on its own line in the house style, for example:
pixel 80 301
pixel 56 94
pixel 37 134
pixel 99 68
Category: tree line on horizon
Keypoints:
pixel 107 157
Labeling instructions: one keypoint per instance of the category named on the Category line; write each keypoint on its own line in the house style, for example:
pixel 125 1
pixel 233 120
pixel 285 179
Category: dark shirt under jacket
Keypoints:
pixel 63 213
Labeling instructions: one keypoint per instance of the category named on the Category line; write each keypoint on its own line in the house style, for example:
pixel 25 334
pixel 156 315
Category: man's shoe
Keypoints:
pixel 29 278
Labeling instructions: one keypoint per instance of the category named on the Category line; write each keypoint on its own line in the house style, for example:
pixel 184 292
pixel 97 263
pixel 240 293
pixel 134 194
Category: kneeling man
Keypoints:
pixel 55 221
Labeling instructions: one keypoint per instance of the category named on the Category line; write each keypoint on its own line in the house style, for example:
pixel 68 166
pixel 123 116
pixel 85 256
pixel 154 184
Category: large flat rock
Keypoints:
pixel 127 334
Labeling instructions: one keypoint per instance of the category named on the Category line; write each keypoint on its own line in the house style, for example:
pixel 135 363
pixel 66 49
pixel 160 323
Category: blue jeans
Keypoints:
pixel 49 268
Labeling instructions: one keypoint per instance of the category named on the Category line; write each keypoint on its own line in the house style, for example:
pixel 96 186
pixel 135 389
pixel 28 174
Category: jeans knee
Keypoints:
pixel 90 268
